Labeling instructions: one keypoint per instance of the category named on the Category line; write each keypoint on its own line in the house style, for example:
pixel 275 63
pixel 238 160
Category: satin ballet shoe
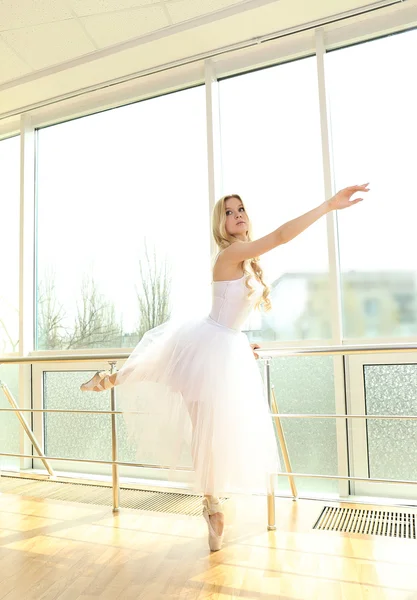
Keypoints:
pixel 211 508
pixel 98 383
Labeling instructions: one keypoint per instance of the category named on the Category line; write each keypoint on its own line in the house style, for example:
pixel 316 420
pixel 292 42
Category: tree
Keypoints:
pixel 50 316
pixel 95 324
pixel 154 291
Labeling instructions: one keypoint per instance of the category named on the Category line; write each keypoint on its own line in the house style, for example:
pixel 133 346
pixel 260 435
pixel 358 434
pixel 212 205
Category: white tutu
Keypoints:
pixel 197 384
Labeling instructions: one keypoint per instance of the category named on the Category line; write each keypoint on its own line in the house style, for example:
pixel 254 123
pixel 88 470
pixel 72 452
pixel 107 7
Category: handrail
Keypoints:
pixel 340 349
pixel 280 415
pixel 189 469
pixel 264 353
pixel 101 462
pixel 64 358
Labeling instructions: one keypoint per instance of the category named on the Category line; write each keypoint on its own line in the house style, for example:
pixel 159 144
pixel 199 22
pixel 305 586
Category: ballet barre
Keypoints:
pixel 268 353
pixel 265 355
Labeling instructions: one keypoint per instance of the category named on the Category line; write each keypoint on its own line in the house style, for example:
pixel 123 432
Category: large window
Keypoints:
pixel 373 93
pixel 122 222
pixel 123 243
pixel 271 152
pixel 9 244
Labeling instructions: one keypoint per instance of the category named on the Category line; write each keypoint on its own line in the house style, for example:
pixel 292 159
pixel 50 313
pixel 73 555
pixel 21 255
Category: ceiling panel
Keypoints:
pixel 48 44
pixel 11 65
pixel 182 10
pixel 24 13
pixel 92 7
pixel 112 28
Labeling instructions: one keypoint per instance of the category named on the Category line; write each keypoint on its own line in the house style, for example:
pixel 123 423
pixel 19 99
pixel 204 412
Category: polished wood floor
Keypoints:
pixel 51 550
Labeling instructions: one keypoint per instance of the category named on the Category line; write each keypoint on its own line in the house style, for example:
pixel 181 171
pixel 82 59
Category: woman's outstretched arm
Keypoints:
pixel 241 251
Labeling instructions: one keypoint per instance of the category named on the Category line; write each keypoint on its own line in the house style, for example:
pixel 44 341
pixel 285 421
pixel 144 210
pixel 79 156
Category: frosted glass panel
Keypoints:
pixel 9 425
pixel 306 385
pixel 392 451
pixel 70 435
pixel 88 436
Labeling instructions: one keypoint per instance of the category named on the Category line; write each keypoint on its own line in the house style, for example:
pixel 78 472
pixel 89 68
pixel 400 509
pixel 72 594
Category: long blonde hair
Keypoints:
pixel 224 239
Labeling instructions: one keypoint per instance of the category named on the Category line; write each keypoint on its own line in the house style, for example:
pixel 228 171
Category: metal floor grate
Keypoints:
pixel 168 502
pixel 368 522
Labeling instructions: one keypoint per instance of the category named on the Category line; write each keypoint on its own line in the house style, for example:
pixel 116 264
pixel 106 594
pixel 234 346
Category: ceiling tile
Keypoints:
pixel 46 45
pixel 182 10
pixel 93 7
pixel 12 66
pixel 114 28
pixel 25 13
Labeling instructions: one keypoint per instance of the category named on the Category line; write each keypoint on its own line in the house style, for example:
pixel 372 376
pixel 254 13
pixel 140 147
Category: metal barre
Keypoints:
pixel 102 462
pixel 56 358
pixel 264 354
pixel 189 469
pixel 280 415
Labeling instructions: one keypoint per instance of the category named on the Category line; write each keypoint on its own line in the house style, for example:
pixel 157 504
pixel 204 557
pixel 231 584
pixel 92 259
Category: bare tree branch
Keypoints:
pixel 50 314
pixel 154 291
pixel 95 324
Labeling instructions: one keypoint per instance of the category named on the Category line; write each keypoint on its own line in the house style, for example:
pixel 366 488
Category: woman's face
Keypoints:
pixel 236 219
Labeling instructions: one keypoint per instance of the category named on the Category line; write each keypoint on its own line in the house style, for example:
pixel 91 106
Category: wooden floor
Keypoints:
pixel 51 550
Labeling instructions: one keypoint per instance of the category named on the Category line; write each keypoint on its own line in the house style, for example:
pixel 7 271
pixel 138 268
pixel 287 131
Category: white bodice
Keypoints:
pixel 231 304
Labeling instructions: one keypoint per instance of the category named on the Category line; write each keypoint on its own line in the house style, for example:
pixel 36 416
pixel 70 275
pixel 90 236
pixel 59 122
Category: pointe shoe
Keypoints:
pixel 97 383
pixel 211 508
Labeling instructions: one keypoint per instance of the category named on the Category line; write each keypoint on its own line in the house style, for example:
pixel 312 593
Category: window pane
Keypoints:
pixel 271 152
pixel 306 385
pixel 9 243
pixel 391 390
pixel 70 435
pixel 374 128
pixel 123 232
pixel 88 436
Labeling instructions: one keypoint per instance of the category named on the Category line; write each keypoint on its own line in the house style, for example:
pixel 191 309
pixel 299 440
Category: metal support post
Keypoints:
pixel 114 452
pixel 271 494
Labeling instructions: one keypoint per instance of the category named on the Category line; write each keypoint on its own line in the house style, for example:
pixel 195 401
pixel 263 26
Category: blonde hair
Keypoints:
pixel 223 239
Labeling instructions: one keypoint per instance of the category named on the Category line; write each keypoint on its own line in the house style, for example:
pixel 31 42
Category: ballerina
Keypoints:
pixel 205 368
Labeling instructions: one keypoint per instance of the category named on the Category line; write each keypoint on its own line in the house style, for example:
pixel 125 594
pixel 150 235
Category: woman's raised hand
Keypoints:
pixel 343 198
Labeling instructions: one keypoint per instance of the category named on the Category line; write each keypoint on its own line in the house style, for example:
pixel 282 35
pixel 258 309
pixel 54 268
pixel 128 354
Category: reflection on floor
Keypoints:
pixel 55 550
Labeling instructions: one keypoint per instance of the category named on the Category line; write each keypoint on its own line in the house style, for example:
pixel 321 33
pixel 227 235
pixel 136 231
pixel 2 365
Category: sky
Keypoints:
pixel 107 181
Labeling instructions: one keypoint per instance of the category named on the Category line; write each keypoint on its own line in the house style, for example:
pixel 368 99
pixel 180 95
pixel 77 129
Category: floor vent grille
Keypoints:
pixel 367 522
pixel 159 501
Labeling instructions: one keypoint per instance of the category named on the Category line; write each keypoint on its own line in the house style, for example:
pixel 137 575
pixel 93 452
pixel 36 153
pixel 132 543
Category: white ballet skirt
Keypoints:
pixel 198 384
